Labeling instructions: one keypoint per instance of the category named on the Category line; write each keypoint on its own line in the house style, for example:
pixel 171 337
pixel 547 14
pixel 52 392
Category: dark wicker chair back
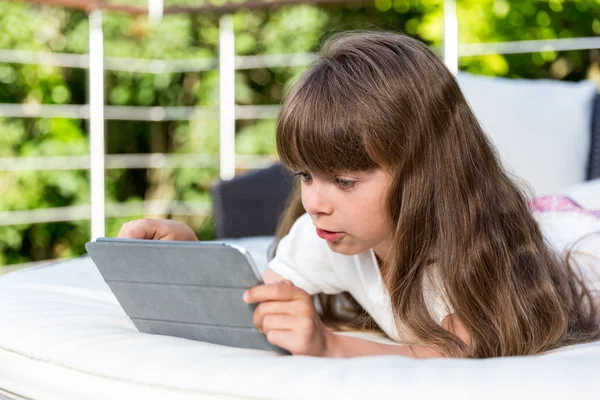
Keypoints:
pixel 250 204
pixel 594 161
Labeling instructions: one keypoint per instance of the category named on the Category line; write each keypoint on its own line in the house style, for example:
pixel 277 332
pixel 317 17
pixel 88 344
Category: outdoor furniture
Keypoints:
pixel 594 161
pixel 250 204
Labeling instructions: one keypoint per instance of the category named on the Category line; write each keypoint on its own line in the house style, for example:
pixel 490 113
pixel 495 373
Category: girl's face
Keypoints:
pixel 348 210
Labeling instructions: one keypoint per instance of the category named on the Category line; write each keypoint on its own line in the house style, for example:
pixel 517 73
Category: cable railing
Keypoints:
pixel 130 161
pixel 227 160
pixel 154 66
pixel 133 113
pixel 83 211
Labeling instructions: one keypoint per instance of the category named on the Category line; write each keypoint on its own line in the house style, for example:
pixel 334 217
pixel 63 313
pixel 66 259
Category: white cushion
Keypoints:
pixel 541 128
pixel 586 194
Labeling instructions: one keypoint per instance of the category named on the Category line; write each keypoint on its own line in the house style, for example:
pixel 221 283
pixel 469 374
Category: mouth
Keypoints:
pixel 329 235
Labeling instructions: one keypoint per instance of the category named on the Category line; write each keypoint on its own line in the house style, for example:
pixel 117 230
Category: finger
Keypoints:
pixel 269 307
pixel 278 322
pixel 124 230
pixel 289 340
pixel 264 309
pixel 138 229
pixel 295 308
pixel 273 292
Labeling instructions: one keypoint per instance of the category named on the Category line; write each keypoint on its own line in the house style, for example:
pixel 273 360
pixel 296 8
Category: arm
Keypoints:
pixel 345 346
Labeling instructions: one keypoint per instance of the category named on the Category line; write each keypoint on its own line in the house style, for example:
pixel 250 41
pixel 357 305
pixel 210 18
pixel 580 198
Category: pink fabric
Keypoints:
pixel 560 203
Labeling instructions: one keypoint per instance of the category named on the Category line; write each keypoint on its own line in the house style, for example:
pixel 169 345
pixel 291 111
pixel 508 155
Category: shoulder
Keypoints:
pixel 303 226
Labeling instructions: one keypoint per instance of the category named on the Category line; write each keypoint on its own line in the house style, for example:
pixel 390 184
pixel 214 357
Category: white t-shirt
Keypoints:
pixel 305 259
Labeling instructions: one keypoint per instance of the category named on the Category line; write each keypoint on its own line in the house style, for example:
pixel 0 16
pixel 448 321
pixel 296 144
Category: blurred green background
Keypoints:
pixel 290 29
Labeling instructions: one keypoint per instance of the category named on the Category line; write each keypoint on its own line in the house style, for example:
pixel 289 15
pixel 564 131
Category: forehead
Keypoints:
pixel 374 174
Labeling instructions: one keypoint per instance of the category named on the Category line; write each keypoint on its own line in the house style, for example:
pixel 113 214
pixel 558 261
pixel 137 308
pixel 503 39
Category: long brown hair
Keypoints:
pixel 384 100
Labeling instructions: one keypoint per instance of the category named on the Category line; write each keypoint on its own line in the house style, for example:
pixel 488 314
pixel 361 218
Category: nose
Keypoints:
pixel 316 200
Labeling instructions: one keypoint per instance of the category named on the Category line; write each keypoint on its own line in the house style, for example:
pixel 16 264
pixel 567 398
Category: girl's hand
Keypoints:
pixel 157 229
pixel 287 316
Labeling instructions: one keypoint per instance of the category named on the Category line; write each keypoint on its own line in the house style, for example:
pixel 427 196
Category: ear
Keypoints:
pixel 455 326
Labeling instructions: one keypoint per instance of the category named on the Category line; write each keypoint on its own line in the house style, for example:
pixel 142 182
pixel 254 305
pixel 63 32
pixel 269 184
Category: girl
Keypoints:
pixel 403 203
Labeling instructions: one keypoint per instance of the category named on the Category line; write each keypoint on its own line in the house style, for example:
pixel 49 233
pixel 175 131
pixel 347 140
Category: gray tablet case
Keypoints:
pixel 191 290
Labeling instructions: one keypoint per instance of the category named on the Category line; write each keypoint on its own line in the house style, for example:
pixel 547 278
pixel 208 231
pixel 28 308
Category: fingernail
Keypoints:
pixel 245 296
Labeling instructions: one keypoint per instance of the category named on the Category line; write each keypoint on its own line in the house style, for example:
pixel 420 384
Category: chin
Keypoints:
pixel 342 248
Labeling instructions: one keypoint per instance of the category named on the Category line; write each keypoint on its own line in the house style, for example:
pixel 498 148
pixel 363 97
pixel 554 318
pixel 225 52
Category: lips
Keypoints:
pixel 329 235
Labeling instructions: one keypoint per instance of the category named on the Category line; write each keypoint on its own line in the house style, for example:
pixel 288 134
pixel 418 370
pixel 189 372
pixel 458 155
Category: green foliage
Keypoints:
pixel 290 29
pixel 257 138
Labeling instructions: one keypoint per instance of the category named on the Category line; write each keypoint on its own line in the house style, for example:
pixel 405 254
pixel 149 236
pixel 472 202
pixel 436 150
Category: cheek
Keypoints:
pixel 374 202
pixel 305 193
pixel 303 198
pixel 375 213
pixel 372 220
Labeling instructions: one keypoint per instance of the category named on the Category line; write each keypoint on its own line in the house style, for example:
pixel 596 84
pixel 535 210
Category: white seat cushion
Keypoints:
pixel 541 128
pixel 586 194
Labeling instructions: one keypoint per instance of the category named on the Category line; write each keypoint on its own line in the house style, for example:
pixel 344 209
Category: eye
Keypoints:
pixel 345 184
pixel 304 177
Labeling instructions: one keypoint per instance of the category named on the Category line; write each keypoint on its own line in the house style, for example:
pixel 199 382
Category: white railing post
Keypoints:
pixel 96 101
pixel 155 11
pixel 450 38
pixel 226 98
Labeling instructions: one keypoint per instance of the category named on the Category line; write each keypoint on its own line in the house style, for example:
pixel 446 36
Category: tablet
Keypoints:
pixel 191 290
